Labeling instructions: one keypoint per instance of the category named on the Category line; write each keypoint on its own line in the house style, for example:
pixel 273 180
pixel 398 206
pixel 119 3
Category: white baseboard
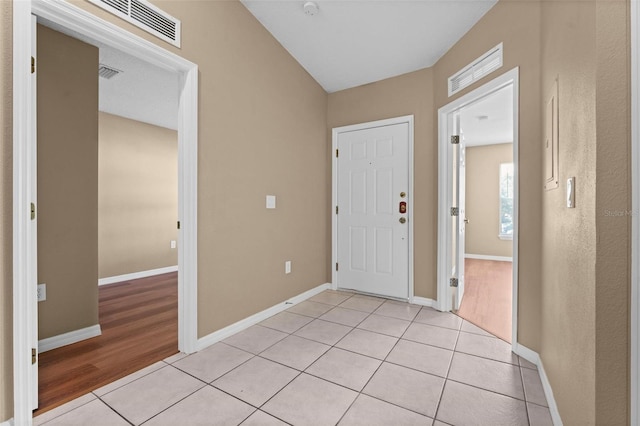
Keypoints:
pixel 216 336
pixel 136 275
pixel 423 301
pixel 7 423
pixel 68 338
pixel 534 358
pixel 488 257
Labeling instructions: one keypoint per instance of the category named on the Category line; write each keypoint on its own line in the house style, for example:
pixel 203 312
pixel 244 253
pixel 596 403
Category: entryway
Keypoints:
pixel 372 190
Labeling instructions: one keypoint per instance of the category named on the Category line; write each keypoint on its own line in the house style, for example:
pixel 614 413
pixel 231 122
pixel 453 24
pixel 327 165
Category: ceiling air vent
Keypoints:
pixel 144 15
pixel 107 72
pixel 485 64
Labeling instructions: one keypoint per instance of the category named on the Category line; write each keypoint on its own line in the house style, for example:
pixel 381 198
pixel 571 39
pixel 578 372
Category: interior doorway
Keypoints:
pixel 477 244
pixel 25 262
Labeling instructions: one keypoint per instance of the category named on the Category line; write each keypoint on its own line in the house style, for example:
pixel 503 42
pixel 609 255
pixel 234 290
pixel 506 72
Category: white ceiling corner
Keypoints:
pixel 349 43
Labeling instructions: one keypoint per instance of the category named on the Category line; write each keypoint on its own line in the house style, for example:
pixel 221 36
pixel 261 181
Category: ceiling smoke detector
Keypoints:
pixel 107 72
pixel 310 8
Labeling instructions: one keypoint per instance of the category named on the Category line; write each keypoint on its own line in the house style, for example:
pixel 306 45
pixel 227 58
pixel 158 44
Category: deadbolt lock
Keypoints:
pixel 403 194
pixel 403 220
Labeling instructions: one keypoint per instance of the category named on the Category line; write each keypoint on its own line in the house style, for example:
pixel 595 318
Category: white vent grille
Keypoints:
pixel 485 64
pixel 107 72
pixel 144 15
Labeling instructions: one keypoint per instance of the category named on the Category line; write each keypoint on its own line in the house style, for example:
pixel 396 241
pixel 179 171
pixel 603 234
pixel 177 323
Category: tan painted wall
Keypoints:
pixel 137 196
pixel 67 183
pixel 403 95
pixel 517 25
pixel 6 216
pixel 483 200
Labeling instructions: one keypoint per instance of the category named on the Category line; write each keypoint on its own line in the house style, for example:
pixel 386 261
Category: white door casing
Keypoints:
pixel 371 179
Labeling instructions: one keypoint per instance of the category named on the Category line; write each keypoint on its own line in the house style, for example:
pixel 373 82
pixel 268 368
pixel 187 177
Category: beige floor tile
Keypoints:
pixel 310 309
pixel 260 418
pixel 385 325
pixel 441 319
pixel 487 374
pixel 367 411
pixel 256 381
pixel 439 423
pixel 142 399
pixel 211 363
pixel 466 405
pixel 94 413
pixel 533 389
pixel 65 408
pixel 208 406
pixel 431 335
pixel 402 311
pixel 407 388
pixel 539 416
pixel 467 327
pixel 526 364
pixel 368 343
pixel 128 379
pixel 428 359
pixel 286 322
pixel 362 303
pixel 486 347
pixel 345 368
pixel 310 401
pixel 325 332
pixel 295 352
pixel 255 339
pixel 349 317
pixel 330 297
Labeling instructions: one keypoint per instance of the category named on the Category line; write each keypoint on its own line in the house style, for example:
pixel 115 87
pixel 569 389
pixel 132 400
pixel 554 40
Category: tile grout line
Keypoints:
pixel 444 385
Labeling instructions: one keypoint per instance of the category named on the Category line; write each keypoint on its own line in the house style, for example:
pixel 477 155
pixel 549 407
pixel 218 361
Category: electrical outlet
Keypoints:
pixel 173 243
pixel 42 292
pixel 287 267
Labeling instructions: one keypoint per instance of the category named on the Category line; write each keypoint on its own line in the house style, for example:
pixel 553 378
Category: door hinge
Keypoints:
pixel 33 355
pixel 453 282
pixel 336 266
pixel 33 211
pixel 455 140
pixel 455 211
pixel 336 209
pixel 337 153
pixel 178 224
pixel 33 65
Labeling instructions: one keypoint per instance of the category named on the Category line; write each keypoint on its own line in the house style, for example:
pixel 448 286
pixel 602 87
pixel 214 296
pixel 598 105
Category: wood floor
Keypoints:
pixel 139 321
pixel 487 296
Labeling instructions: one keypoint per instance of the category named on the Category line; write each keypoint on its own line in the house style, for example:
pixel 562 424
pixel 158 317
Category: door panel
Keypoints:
pixel 373 246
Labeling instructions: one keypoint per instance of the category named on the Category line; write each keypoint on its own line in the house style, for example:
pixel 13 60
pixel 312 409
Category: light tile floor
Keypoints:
pixel 338 358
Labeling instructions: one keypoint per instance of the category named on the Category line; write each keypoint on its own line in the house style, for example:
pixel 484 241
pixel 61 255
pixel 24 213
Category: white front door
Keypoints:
pixel 373 210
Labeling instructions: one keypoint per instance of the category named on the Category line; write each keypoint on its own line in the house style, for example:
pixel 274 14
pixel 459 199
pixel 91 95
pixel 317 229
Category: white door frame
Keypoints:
pixel 635 219
pixel 445 190
pixel 334 189
pixel 24 147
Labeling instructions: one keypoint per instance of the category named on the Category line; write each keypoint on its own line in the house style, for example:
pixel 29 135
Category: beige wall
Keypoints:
pixel 67 183
pixel 6 221
pixel 482 199
pixel 403 95
pixel 137 196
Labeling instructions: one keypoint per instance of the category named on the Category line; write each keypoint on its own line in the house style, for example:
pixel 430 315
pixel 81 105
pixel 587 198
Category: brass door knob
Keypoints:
pixel 403 220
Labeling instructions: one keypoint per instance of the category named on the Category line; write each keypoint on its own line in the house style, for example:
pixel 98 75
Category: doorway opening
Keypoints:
pixel 77 21
pixel 478 199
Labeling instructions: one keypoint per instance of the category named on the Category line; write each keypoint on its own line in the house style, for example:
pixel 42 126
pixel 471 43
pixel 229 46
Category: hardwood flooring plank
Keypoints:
pixel 139 321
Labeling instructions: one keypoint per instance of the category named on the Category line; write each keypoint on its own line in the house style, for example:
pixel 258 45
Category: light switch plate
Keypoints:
pixel 271 201
pixel 287 267
pixel 571 192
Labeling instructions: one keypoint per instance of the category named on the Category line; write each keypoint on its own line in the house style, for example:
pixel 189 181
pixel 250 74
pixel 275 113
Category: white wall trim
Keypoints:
pixel 236 327
pixel 334 192
pixel 7 423
pixel 65 339
pixel 423 301
pixel 488 257
pixel 80 21
pixel 445 190
pixel 635 219
pixel 534 358
pixel 137 275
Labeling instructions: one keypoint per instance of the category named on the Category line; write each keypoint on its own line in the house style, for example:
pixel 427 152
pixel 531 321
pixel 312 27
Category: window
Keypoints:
pixel 506 201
